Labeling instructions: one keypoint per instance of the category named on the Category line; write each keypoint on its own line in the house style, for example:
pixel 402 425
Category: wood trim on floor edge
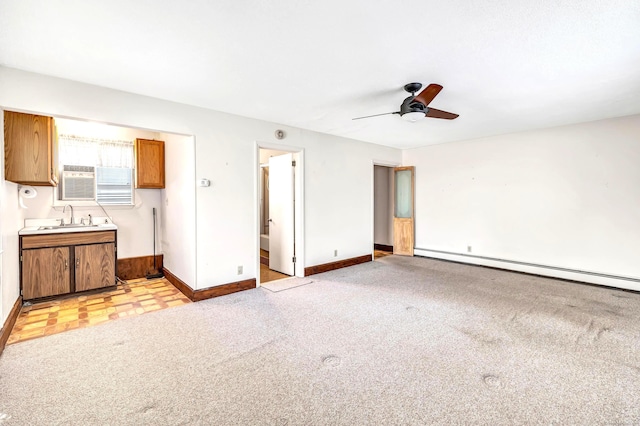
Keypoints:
pixel 311 270
pixel 130 268
pixel 211 292
pixel 383 247
pixel 5 332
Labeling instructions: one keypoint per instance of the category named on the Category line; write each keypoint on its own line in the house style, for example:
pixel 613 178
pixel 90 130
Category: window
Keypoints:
pixel 103 168
pixel 114 185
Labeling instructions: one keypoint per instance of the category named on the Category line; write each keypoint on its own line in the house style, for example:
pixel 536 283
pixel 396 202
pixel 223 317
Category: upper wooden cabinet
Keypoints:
pixel 30 149
pixel 149 163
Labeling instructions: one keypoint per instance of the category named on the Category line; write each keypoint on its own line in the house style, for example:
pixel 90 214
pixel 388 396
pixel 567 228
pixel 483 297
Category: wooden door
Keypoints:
pixel 28 149
pixel 95 266
pixel 149 163
pixel 45 272
pixel 403 211
pixel 281 214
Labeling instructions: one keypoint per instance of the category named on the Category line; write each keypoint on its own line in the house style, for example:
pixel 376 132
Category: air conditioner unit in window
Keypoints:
pixel 78 183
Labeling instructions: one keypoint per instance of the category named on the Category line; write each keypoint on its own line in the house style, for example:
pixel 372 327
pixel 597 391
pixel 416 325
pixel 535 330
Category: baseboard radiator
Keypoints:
pixel 618 281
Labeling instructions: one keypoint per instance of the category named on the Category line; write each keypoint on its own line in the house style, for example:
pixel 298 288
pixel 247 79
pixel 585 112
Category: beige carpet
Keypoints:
pixel 396 341
pixel 286 284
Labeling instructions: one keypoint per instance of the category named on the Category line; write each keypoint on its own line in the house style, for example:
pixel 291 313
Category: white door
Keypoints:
pixel 281 219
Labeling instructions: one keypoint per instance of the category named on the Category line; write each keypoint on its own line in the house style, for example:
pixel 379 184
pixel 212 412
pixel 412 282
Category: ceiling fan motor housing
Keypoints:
pixel 410 106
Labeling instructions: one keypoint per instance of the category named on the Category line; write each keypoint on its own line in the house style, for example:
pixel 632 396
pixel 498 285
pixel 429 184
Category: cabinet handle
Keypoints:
pixel 66 264
pixel 77 263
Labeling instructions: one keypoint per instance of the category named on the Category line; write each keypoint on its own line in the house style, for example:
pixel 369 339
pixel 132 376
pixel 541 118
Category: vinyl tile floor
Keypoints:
pixel 131 298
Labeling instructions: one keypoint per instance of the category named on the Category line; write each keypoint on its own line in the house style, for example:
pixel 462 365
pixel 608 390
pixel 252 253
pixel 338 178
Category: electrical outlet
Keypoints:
pixel 240 270
pixel 468 249
pixel 335 253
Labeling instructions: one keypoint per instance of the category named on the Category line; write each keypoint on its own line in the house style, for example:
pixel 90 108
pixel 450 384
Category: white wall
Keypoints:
pixel 135 224
pixel 178 224
pixel 383 205
pixel 566 197
pixel 338 178
pixel 91 129
pixel 338 198
pixel 11 218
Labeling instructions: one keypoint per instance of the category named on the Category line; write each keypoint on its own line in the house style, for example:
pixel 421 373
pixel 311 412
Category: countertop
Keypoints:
pixel 34 226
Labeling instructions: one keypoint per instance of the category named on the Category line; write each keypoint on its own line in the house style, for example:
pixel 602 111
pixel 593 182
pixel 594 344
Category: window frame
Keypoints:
pixel 57 202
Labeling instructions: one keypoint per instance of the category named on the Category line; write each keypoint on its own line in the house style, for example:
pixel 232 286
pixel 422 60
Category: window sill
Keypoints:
pixel 86 205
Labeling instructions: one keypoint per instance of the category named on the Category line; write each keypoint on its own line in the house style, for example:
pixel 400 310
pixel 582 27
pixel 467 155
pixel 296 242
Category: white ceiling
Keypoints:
pixel 506 65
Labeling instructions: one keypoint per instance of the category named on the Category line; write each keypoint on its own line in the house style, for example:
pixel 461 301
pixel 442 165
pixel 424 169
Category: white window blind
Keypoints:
pixel 114 185
pixel 113 160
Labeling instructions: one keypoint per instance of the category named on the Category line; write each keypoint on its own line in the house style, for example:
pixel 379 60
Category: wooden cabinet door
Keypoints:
pixel 149 164
pixel 29 149
pixel 45 272
pixel 95 266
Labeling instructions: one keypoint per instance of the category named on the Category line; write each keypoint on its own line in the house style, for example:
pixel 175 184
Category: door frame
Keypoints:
pixel 299 237
pixel 374 163
pixel 402 222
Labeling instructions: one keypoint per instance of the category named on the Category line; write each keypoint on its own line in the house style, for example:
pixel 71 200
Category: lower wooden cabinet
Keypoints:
pixel 55 264
pixel 95 266
pixel 45 272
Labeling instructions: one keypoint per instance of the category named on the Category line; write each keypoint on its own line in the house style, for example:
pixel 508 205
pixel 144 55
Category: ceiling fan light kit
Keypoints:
pixel 416 108
pixel 413 116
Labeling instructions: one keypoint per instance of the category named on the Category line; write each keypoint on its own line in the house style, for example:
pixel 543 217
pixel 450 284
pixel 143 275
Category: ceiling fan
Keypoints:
pixel 415 108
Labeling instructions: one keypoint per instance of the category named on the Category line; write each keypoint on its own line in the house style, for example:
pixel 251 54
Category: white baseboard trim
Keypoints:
pixel 627 283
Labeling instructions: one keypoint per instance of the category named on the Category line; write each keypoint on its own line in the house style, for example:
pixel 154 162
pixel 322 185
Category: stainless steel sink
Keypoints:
pixel 66 226
pixel 51 227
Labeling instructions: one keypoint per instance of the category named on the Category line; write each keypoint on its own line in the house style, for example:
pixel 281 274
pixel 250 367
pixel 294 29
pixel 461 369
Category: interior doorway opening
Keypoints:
pixel 279 211
pixel 382 211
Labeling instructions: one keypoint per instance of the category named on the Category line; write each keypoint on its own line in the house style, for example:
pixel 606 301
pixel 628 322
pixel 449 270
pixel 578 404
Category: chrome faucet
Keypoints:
pixel 64 210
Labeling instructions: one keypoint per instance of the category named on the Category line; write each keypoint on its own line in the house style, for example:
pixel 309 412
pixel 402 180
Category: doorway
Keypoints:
pixel 393 210
pixel 382 211
pixel 279 213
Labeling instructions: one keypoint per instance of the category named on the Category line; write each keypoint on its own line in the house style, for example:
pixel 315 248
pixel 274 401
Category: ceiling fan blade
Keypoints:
pixel 426 96
pixel 436 113
pixel 376 115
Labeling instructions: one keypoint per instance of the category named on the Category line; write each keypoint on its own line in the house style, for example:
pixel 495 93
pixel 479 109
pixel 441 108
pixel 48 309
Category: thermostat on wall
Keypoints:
pixel 204 182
